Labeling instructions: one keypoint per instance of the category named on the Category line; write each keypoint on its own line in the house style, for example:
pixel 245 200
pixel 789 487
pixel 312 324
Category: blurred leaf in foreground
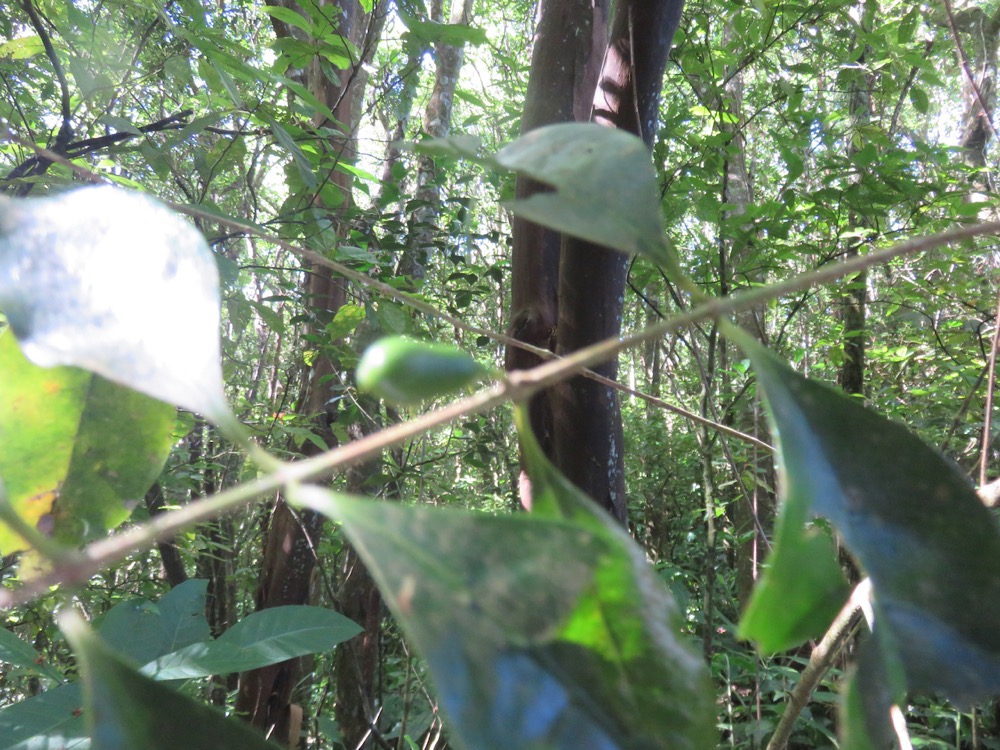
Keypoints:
pixel 541 631
pixel 914 523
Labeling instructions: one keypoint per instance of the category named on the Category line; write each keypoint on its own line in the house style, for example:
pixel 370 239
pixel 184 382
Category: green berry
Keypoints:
pixel 405 371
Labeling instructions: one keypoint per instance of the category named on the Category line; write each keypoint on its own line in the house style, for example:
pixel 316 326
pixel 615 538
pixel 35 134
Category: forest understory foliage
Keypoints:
pixel 262 467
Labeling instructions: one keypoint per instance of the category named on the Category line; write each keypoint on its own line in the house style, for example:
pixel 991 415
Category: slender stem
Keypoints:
pixel 984 456
pixel 516 386
pixel 820 661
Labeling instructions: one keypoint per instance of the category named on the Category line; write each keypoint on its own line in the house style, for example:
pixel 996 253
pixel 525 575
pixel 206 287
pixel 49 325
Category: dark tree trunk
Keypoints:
pixel 173 563
pixel 567 293
pixel 568 47
pixel 588 439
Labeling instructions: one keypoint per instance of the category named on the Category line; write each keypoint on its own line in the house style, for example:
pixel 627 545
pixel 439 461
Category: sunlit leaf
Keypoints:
pixel 22 48
pixel 620 210
pixel 115 283
pixel 288 16
pixel 348 318
pixel 77 452
pixel 803 583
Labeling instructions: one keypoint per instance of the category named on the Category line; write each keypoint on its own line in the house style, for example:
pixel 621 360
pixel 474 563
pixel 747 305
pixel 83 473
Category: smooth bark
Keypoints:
pixel 587 436
pixel 569 44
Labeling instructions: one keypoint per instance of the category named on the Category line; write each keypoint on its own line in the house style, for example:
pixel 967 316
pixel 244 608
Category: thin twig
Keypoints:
pixel 984 456
pixel 65 109
pixel 688 415
pixel 517 386
pixel 820 661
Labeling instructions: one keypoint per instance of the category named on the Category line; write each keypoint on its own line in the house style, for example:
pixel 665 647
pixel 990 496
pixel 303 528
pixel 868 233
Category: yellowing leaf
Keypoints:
pixel 77 452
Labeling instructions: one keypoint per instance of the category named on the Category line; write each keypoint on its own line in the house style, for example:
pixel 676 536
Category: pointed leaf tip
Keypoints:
pixel 915 524
pixel 621 210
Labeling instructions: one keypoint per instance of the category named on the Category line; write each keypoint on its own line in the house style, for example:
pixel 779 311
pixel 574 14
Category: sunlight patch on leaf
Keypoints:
pixel 77 452
pixel 115 283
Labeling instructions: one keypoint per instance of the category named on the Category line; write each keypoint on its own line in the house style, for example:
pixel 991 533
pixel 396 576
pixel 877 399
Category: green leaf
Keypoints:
pixel 306 96
pixel 77 451
pixel 289 16
pixel 272 318
pixel 263 638
pixel 604 187
pixel 800 592
pixel 182 614
pixel 50 720
pixel 540 632
pixel 132 629
pixel 121 124
pixel 125 710
pixel 223 71
pixel 295 630
pixel 295 53
pixel 871 692
pixel 141 630
pixel 450 34
pixel 348 318
pixel 302 164
pixel 459 145
pixel 53 718
pixel 931 548
pixel 115 283
pixel 22 47
pixel 15 651
pixel 920 100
